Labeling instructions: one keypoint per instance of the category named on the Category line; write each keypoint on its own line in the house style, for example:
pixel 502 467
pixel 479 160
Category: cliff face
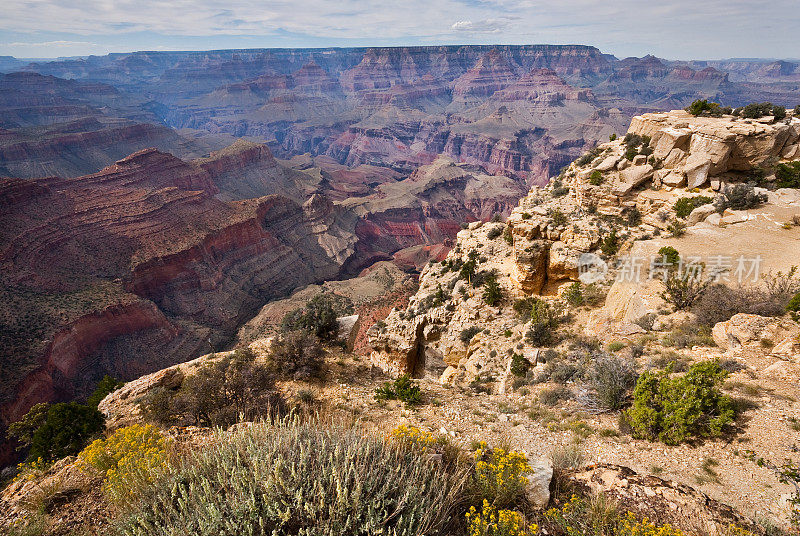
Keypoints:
pixel 556 232
pixel 140 266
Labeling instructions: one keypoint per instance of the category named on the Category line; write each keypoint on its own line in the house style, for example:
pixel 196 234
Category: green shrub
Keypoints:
pixel 610 244
pixel 612 137
pixel 297 355
pixel 301 478
pixel 703 107
pixel 683 290
pixel 492 293
pixel 596 178
pixel 677 409
pixel 319 316
pixel 633 216
pixel 755 110
pixel 779 112
pixel 631 152
pixel 494 232
pixel 669 255
pixel 403 389
pixel 558 218
pixel 574 295
pixel 65 430
pixel 467 334
pixel 105 387
pixel 793 307
pixel 796 111
pixel 677 228
pixel 788 174
pixel 685 205
pixel 519 365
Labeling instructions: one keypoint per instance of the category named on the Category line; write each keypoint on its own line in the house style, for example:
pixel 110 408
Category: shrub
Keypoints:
pixel 554 395
pixel 494 232
pixel 539 334
pixel 633 216
pixel 611 378
pixel 599 516
pixel 676 409
pixel 319 316
pixel 793 307
pixel 129 459
pixel 676 228
pixel 574 295
pixel 683 290
pixel 403 388
pixel 492 293
pixel 469 267
pixel 219 394
pixel 720 302
pixel 739 197
pixel 500 475
pixel 519 365
pixel 685 205
pixel 688 335
pixel 297 355
pixel 610 244
pixel 411 436
pixel 796 111
pixel 755 110
pixel 596 178
pixel 508 236
pixel 631 152
pixel 300 478
pixel 104 387
pixel 779 112
pixel 63 430
pixel 703 107
pixel 561 371
pixel 467 334
pixel 612 137
pixel 669 255
pixel 490 521
pixel 788 175
pixel 558 218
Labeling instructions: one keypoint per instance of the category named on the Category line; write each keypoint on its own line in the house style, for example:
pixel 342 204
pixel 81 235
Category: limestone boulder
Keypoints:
pixel 741 329
pixel 700 214
pixel 633 177
pixel 608 163
pixel 696 170
pixel 538 489
pixel 670 139
pixel 348 327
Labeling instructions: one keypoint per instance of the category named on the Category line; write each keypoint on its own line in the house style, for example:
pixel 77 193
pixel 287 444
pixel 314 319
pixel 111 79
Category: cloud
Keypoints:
pixel 482 26
pixel 676 28
pixel 51 44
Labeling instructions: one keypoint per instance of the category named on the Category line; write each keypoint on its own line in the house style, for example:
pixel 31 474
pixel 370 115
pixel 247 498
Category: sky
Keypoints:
pixel 677 29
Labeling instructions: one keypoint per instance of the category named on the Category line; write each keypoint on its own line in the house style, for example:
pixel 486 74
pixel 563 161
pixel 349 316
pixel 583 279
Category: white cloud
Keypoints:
pixel 675 28
pixel 482 26
pixel 51 44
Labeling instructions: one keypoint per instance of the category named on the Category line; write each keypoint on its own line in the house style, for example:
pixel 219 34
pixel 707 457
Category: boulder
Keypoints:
pixel 538 489
pixel 674 158
pixel 671 139
pixel 608 163
pixel 348 329
pixel 672 178
pixel 741 329
pixel 700 214
pixel 696 170
pixel 632 177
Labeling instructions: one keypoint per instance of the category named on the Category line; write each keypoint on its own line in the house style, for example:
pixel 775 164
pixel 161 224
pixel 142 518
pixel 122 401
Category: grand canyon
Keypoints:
pixel 155 207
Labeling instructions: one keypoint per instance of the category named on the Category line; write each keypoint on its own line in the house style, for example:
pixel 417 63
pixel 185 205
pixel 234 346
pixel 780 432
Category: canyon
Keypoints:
pixel 152 202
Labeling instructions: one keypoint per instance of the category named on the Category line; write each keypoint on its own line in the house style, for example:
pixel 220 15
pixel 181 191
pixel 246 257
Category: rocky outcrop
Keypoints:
pixel 782 336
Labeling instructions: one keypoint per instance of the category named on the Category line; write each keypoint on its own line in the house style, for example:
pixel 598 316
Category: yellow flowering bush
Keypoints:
pixel 128 460
pixel 580 517
pixel 500 474
pixel 493 522
pixel 412 436
pixel 28 471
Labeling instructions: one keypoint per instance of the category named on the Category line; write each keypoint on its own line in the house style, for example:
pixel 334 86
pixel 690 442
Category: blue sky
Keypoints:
pixel 679 29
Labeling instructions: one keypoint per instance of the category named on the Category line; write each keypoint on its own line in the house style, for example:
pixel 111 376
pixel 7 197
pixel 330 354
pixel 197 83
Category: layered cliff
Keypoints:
pixel 140 266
